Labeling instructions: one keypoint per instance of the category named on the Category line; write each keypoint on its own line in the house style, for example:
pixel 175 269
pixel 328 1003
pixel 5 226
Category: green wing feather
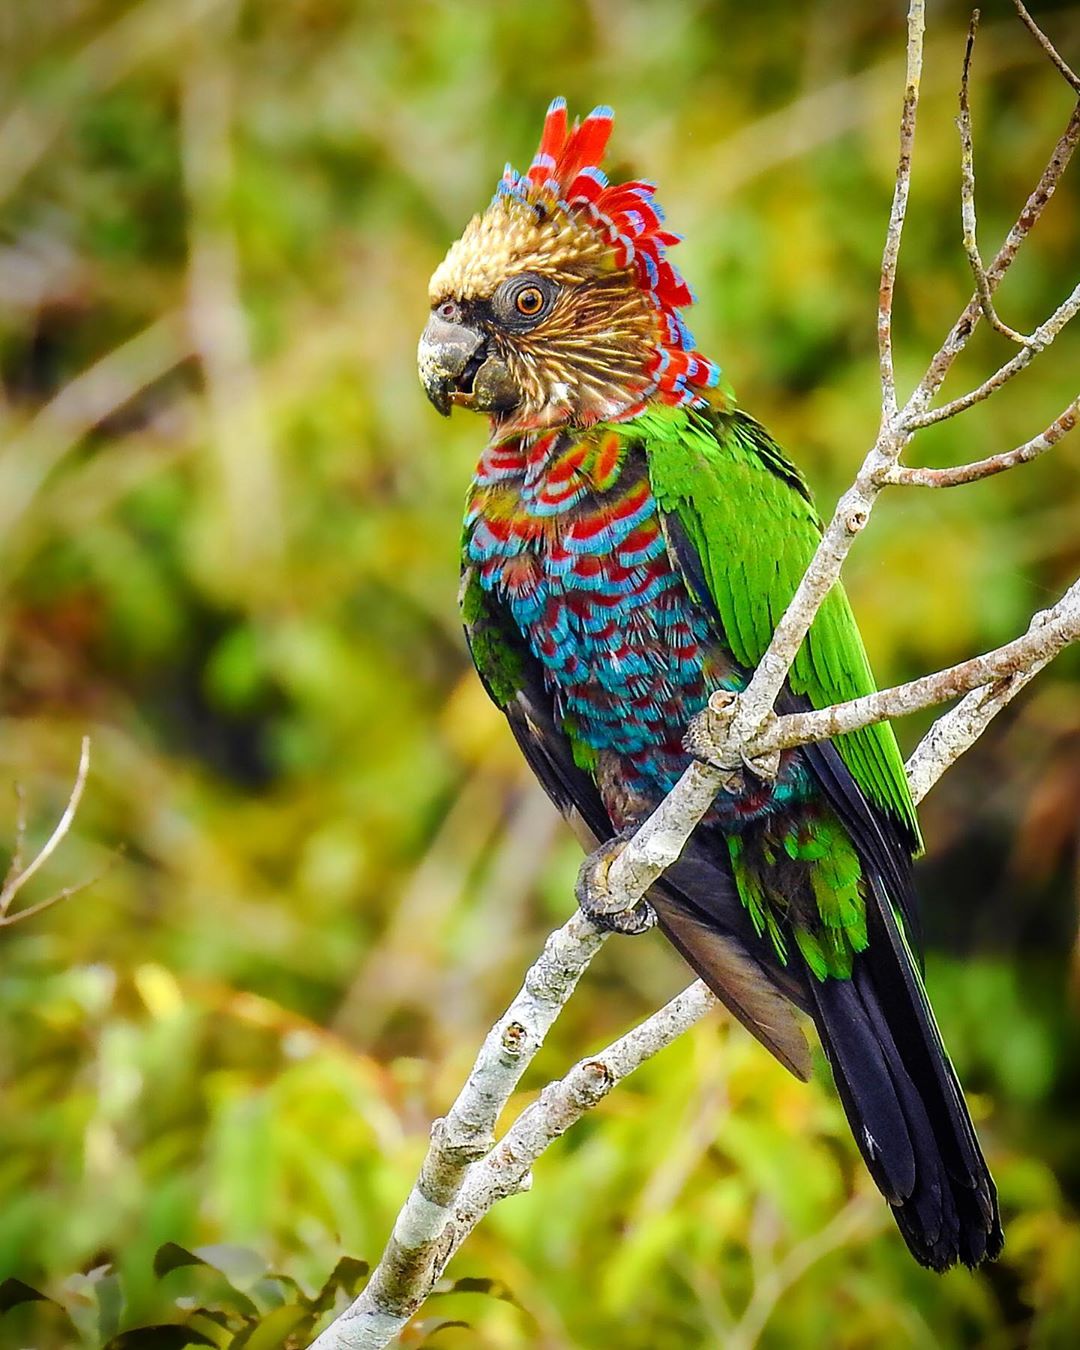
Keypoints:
pixel 497 656
pixel 748 513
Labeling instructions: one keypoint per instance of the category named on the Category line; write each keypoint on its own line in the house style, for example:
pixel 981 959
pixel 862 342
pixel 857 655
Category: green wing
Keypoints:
pixel 748 514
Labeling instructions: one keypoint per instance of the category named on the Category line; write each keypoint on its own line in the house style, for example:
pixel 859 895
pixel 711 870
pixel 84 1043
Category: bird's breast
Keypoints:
pixel 569 540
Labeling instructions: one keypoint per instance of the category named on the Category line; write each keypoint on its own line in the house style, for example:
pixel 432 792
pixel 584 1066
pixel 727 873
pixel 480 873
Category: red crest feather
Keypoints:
pixel 565 174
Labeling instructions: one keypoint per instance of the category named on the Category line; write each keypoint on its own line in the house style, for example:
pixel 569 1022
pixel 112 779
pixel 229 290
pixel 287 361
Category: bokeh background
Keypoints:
pixel 228 528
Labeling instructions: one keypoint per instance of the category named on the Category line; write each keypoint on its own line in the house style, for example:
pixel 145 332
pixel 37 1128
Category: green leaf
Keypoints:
pixel 348 1274
pixel 275 1328
pixel 164 1337
pixel 474 1284
pixel 171 1257
pixel 13 1292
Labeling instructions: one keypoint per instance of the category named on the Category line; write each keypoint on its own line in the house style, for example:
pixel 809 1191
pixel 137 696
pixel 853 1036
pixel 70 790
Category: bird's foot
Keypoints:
pixel 707 739
pixel 594 897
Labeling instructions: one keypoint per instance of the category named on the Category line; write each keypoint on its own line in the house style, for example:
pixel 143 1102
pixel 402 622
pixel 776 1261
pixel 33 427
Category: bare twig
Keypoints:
pixel 15 865
pixel 967 198
pixel 898 212
pixel 959 474
pixel 754 706
pixel 1039 340
pixel 63 894
pixel 1048 47
pixel 961 331
pixel 18 875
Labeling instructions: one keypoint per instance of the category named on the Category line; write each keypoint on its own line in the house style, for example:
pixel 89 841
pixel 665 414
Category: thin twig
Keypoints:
pixel 14 883
pixel 898 211
pixel 1039 340
pixel 6 920
pixel 15 865
pixel 754 706
pixel 1048 47
pixel 959 474
pixel 942 361
pixel 967 197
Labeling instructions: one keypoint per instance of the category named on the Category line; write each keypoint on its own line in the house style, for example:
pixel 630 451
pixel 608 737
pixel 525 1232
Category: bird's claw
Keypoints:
pixel 594 898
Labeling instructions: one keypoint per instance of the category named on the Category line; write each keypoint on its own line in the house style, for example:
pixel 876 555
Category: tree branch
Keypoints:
pixel 1048 47
pixel 1039 340
pixel 415 1254
pixel 942 361
pixel 959 474
pixel 1050 632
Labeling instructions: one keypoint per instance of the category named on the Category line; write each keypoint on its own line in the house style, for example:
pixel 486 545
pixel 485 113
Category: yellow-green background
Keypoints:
pixel 228 525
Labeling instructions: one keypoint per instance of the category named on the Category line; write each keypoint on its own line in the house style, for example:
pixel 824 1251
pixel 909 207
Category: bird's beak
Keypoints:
pixel 457 369
pixel 448 356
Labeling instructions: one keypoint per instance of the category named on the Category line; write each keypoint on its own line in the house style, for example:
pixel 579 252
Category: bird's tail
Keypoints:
pixel 903 1101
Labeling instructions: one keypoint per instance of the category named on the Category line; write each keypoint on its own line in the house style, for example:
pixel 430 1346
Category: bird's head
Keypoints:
pixel 558 305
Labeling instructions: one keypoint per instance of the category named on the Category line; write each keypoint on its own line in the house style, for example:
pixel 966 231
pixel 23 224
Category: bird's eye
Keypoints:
pixel 529 302
pixel 522 301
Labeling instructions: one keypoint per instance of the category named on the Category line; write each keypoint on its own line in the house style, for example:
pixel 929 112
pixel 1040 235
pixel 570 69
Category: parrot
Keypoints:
pixel 631 538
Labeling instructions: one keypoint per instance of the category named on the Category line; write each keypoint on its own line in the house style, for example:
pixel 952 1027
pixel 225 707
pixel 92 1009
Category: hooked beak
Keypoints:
pixel 455 368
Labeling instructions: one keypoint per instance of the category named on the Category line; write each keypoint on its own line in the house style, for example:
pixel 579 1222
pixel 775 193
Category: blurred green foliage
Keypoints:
pixel 228 527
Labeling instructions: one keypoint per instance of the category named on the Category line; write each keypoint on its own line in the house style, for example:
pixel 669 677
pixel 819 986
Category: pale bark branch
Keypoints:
pixel 954 733
pixel 660 840
pixel 1038 342
pixel 370 1322
pixel 1050 632
pixel 414 1256
pixel 959 474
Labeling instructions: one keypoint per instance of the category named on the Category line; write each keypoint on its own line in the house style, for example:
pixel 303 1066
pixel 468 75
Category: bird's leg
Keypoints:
pixel 595 900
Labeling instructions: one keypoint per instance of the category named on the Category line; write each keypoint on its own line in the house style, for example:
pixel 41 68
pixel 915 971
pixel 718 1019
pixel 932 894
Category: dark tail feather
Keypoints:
pixel 904 1103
